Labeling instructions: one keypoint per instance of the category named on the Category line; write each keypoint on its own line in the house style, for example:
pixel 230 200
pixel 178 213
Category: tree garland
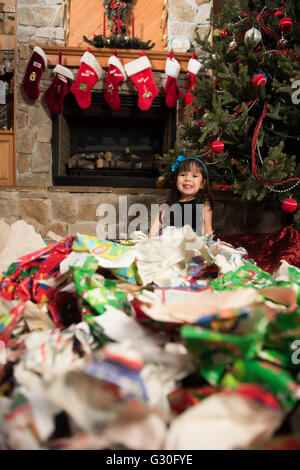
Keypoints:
pixel 111 9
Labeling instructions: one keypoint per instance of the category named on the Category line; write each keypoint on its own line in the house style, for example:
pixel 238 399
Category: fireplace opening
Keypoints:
pixel 98 146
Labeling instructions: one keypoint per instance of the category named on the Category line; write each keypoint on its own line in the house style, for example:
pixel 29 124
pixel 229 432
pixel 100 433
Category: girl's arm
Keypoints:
pixel 207 218
pixel 156 226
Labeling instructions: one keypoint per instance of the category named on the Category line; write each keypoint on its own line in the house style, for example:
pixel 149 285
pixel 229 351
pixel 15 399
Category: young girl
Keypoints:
pixel 190 187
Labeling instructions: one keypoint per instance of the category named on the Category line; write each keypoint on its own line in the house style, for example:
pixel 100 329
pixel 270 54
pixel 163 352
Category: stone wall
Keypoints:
pixel 67 211
pixel 189 17
pixel 39 23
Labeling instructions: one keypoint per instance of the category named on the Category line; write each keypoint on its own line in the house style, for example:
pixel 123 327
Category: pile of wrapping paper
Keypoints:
pixel 178 342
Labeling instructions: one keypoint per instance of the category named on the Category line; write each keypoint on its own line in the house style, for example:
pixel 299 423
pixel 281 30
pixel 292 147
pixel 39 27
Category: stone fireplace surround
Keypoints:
pixel 67 210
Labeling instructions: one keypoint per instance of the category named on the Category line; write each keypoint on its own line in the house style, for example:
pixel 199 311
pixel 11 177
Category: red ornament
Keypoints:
pixel 217 146
pixel 161 181
pixel 279 13
pixel 286 25
pixel 289 205
pixel 201 123
pixel 259 79
pixel 217 81
pixel 223 33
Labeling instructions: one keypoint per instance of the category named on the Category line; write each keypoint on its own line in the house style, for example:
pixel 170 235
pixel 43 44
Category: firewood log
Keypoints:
pixel 147 164
pixel 108 156
pixel 101 163
pixel 121 164
pixel 85 164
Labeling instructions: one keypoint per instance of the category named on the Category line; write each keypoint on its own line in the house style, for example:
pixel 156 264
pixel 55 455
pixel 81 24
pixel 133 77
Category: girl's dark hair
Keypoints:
pixel 204 193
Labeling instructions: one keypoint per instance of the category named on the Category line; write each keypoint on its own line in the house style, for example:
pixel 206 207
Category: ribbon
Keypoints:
pixel 240 109
pixel 266 29
pixel 254 145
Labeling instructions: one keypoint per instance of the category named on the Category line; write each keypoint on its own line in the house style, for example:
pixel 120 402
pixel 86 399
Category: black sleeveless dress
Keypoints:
pixel 187 213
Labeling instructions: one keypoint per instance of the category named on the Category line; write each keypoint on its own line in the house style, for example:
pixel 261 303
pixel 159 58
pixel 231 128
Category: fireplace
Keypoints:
pixel 98 146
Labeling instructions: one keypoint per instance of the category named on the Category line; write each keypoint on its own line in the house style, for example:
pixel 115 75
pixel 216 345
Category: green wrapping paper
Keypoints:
pixel 282 331
pixel 275 379
pixel 99 292
pixel 215 347
pixel 111 252
pixel 248 275
pixel 263 357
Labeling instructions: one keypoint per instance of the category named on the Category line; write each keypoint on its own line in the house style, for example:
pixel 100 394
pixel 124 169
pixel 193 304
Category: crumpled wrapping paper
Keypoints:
pixel 222 422
pixel 17 240
pixel 111 367
pixel 158 258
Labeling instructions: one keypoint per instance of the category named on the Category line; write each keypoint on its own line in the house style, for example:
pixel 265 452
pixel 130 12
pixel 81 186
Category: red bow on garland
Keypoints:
pixel 116 11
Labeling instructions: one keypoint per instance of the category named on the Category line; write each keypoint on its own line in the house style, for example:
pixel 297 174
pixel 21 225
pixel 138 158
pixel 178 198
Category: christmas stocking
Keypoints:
pixel 115 75
pixel 172 70
pixel 88 75
pixel 193 68
pixel 58 89
pixel 139 71
pixel 35 68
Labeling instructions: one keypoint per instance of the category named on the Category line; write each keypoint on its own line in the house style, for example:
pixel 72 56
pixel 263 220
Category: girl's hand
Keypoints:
pixel 157 224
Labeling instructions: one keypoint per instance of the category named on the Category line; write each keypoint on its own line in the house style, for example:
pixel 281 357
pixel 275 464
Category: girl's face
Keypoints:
pixel 189 182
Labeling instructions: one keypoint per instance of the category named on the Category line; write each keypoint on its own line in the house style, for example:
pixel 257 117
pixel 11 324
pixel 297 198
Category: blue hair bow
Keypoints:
pixel 177 162
pixel 180 159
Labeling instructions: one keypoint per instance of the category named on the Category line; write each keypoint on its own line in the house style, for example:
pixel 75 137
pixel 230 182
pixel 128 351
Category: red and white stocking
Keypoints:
pixel 172 70
pixel 115 75
pixel 193 68
pixel 35 68
pixel 140 73
pixel 88 75
pixel 59 88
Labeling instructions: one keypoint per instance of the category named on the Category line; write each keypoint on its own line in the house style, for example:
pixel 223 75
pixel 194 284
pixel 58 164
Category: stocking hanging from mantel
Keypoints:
pixel 193 68
pixel 90 71
pixel 59 88
pixel 172 70
pixel 115 75
pixel 35 68
pixel 139 71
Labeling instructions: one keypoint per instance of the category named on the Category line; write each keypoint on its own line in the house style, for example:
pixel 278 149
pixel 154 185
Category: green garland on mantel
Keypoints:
pixel 119 42
pixel 122 40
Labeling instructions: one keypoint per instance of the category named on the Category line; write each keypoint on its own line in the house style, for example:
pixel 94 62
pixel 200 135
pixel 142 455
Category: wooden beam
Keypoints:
pixel 71 56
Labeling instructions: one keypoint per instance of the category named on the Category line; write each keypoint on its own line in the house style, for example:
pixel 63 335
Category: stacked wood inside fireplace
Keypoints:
pixel 114 160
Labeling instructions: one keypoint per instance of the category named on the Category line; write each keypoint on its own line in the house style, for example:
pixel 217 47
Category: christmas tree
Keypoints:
pixel 249 100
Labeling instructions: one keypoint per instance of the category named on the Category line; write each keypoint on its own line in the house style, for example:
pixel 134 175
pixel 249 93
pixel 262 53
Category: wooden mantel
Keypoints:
pixel 72 55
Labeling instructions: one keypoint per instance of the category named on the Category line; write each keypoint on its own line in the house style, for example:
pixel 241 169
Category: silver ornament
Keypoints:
pixel 252 34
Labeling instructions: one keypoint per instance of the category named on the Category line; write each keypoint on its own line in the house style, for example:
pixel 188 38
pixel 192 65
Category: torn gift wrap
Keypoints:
pixel 222 422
